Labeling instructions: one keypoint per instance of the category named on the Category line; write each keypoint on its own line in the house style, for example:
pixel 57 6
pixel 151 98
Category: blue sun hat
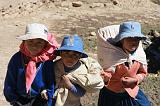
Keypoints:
pixel 129 29
pixel 72 43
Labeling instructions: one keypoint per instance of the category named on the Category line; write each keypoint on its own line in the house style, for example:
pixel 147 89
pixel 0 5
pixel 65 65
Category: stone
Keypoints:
pixel 77 4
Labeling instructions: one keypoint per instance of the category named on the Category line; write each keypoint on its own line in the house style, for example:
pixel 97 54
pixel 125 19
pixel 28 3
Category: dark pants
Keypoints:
pixel 109 98
pixel 34 101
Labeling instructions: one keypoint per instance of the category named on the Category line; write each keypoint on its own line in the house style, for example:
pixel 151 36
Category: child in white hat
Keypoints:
pixel 30 71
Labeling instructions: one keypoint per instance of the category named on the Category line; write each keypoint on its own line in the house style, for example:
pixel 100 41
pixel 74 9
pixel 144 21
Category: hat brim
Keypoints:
pixel 84 55
pixel 28 36
pixel 121 36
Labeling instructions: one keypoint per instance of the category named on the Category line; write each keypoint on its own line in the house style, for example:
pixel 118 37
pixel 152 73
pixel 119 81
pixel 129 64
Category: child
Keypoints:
pixel 75 73
pixel 124 62
pixel 29 72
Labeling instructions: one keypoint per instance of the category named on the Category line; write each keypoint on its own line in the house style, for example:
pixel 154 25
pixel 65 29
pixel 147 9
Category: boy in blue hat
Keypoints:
pixel 128 68
pixel 75 73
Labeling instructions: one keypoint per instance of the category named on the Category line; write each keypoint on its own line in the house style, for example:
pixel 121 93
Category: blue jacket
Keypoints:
pixel 14 85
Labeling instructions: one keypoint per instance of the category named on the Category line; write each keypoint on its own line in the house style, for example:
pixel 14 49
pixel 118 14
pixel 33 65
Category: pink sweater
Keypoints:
pixel 114 83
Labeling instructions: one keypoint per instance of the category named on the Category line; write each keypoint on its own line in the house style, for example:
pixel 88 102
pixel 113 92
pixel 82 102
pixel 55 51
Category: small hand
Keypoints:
pixel 104 77
pixel 129 82
pixel 65 81
pixel 44 95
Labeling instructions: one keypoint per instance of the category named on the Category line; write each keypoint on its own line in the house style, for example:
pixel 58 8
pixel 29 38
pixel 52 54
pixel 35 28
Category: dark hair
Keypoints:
pixel 118 44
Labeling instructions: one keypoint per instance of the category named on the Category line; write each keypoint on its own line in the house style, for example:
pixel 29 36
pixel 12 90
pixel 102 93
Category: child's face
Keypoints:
pixel 130 44
pixel 35 46
pixel 70 58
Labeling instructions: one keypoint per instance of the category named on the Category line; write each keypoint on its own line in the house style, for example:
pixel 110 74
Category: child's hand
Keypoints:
pixel 65 81
pixel 129 82
pixel 44 95
pixel 106 75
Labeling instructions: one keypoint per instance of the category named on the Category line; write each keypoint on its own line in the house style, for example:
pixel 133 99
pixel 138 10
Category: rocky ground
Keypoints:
pixel 83 17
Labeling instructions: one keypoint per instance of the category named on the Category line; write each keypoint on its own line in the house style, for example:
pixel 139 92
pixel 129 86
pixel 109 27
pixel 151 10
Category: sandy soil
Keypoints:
pixel 62 18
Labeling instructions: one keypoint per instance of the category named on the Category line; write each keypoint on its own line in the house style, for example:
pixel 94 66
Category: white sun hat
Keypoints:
pixel 34 31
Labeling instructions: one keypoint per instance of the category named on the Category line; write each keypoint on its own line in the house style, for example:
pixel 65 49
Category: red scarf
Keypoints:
pixel 47 54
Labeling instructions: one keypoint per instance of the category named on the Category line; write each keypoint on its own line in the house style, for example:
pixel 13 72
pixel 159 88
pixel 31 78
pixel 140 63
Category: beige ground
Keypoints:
pixel 62 18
